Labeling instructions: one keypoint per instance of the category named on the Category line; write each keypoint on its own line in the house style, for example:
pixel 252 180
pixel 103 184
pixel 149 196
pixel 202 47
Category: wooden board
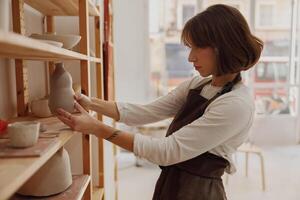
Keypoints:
pixel 60 8
pixel 74 192
pixel 42 145
pixel 98 193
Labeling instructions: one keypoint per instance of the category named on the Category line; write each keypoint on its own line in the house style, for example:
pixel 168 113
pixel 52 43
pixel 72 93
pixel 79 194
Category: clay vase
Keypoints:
pixel 52 178
pixel 61 92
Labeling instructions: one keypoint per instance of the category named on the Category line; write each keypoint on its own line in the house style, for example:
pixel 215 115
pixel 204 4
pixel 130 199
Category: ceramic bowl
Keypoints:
pixel 23 134
pixel 51 42
pixel 52 178
pixel 40 108
pixel 69 41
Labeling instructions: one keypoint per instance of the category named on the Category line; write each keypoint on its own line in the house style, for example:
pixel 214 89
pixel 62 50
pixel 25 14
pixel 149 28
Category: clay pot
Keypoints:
pixel 40 108
pixel 61 92
pixel 52 178
pixel 23 134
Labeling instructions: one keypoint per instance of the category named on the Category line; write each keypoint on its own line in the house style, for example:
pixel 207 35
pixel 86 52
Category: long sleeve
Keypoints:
pixel 162 108
pixel 224 120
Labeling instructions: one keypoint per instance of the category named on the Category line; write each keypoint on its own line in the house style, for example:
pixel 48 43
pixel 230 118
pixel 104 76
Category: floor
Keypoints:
pixel 282 166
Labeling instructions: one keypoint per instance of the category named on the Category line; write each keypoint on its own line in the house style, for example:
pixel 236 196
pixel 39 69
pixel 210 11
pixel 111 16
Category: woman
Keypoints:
pixel 212 116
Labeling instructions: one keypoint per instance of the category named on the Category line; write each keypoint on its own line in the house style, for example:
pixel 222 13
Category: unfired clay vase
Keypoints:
pixel 61 92
pixel 40 108
pixel 52 178
pixel 23 134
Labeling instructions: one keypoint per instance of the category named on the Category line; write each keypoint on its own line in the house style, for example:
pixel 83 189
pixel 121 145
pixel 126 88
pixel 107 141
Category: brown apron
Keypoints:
pixel 198 178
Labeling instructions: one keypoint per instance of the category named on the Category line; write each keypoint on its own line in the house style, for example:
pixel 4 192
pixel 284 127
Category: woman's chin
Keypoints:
pixel 203 74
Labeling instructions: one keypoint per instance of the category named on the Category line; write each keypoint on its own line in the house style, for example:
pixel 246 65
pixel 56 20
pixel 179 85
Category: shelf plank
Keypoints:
pixel 98 193
pixel 95 60
pixel 61 8
pixel 17 46
pixel 74 192
pixel 15 171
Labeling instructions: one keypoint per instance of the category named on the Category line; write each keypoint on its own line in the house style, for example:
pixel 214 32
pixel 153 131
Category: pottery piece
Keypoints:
pixel 52 178
pixel 69 41
pixel 40 108
pixel 61 92
pixel 23 134
pixel 51 42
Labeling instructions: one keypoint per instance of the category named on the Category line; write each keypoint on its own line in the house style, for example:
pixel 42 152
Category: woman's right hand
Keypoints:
pixel 83 100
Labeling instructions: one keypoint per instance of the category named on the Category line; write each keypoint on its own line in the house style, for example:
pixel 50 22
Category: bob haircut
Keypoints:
pixel 224 29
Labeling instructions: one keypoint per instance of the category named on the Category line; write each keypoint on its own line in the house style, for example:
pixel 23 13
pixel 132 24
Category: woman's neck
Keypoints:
pixel 220 81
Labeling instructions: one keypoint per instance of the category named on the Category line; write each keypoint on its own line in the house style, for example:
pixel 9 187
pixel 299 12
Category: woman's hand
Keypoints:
pixel 83 100
pixel 83 122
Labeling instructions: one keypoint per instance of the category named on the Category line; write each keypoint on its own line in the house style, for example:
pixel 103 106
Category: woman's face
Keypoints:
pixel 204 60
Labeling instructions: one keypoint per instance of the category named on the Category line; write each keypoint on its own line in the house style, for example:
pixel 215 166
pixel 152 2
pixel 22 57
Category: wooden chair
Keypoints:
pixel 249 148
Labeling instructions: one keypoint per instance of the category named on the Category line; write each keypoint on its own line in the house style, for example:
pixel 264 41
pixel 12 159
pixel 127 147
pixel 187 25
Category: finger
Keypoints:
pixel 66 121
pixel 64 113
pixel 77 97
pixel 79 108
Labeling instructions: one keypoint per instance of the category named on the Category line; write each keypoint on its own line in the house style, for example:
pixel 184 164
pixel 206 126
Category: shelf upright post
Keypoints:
pixel 21 69
pixel 99 81
pixel 85 85
pixel 50 28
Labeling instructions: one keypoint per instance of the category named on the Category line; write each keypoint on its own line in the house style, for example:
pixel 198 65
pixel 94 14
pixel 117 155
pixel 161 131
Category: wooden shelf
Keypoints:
pixel 98 193
pixel 74 192
pixel 14 172
pixel 96 60
pixel 17 46
pixel 60 8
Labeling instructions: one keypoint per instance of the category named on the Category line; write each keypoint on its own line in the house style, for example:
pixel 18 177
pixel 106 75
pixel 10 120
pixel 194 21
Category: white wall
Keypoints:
pixel 131 50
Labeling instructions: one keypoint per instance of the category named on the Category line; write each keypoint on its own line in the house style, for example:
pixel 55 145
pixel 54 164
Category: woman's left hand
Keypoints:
pixel 83 122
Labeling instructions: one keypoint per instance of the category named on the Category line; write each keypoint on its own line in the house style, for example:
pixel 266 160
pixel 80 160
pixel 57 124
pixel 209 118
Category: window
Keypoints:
pixel 188 11
pixel 265 14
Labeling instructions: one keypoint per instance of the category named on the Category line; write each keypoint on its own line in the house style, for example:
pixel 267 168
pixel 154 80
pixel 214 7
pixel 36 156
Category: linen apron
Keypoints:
pixel 198 178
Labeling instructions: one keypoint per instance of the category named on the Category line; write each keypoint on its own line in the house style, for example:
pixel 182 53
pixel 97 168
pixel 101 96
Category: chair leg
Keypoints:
pixel 262 171
pixel 246 163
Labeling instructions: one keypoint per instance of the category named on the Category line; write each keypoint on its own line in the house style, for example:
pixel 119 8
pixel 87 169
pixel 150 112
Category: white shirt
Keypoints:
pixel 221 130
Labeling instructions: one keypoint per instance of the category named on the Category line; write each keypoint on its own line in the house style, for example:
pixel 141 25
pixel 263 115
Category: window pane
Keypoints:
pixel 274 101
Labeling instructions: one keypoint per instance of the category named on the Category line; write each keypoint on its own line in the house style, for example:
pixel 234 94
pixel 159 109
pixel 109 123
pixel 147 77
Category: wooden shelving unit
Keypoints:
pixel 15 172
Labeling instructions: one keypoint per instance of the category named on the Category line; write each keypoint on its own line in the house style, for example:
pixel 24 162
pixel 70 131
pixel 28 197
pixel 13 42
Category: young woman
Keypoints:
pixel 211 115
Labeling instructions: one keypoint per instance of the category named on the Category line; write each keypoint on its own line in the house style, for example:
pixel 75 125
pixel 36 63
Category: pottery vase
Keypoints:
pixel 61 92
pixel 52 178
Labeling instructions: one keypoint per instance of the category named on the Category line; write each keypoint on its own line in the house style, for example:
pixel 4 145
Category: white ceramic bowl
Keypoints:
pixel 23 134
pixel 69 41
pixel 52 178
pixel 54 43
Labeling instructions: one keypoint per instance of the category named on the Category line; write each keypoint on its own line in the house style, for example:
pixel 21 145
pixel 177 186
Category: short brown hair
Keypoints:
pixel 225 29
